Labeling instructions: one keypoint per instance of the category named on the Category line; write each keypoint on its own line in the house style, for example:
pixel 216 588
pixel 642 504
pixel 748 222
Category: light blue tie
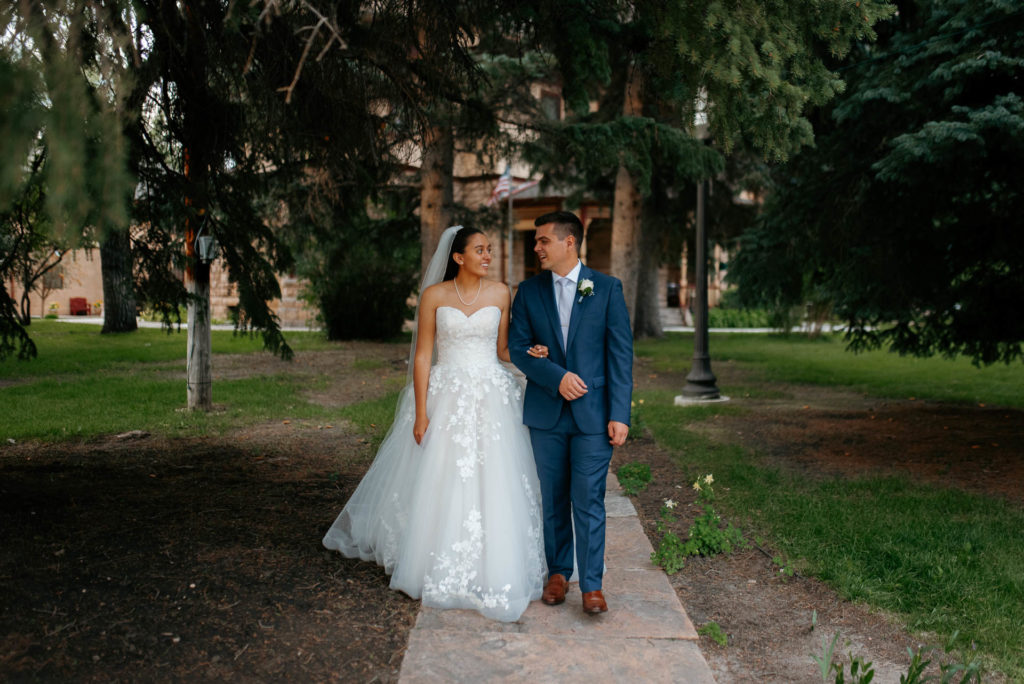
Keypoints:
pixel 564 308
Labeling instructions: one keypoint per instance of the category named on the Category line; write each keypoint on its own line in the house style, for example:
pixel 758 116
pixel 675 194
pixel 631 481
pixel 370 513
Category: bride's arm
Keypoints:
pixel 503 328
pixel 422 359
pixel 537 351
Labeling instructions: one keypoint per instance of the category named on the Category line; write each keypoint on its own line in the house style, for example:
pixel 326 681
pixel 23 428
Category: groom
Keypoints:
pixel 577 399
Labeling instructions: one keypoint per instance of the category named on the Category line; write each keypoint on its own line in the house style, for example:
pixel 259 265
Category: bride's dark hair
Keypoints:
pixel 458 247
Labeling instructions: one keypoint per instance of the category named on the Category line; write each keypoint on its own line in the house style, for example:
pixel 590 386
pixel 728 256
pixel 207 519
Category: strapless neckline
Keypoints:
pixel 455 308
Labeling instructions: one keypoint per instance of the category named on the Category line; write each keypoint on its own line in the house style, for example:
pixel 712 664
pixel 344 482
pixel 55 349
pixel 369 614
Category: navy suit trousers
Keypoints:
pixel 572 467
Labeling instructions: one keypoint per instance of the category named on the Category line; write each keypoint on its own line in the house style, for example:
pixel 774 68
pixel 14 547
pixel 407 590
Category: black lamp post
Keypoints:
pixel 701 382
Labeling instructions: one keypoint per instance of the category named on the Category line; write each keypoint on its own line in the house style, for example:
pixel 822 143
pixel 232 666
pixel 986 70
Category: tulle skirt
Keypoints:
pixel 455 520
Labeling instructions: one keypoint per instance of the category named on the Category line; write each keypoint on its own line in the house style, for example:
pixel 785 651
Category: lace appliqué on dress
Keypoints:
pixel 534 531
pixel 458 571
pixel 476 431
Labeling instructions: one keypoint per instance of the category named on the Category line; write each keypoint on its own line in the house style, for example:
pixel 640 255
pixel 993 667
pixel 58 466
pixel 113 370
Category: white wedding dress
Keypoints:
pixel 455 520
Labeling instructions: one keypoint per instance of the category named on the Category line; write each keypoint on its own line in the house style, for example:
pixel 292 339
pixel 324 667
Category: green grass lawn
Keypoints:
pixel 85 384
pixel 80 348
pixel 942 559
pixel 824 361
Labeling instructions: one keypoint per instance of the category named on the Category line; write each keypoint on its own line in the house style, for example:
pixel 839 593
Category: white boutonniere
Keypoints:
pixel 585 288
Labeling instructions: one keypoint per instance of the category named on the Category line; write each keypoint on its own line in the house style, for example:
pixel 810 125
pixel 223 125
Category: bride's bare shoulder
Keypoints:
pixel 497 293
pixel 434 294
pixel 495 287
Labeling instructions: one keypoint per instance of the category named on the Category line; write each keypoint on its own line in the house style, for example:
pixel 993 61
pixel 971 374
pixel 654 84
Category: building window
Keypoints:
pixel 54 278
pixel 551 106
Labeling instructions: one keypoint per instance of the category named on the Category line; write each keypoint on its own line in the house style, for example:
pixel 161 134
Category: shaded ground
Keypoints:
pixel 155 559
pixel 188 560
pixel 152 559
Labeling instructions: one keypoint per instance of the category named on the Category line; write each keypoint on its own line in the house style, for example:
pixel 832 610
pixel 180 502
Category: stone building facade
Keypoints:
pixel 80 276
pixel 76 277
pixel 290 308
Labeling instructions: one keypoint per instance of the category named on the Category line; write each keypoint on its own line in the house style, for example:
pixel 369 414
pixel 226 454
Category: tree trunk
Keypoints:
pixel 199 388
pixel 24 271
pixel 118 290
pixel 26 308
pixel 628 207
pixel 436 193
pixel 647 321
pixel 200 341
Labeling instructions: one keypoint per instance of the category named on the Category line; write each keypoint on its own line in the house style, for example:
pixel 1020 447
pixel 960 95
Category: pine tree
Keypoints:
pixel 906 215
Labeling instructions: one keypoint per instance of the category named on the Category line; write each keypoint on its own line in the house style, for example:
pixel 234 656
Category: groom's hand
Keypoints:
pixel 617 433
pixel 572 386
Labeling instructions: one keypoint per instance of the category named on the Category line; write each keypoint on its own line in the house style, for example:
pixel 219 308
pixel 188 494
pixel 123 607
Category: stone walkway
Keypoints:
pixel 645 635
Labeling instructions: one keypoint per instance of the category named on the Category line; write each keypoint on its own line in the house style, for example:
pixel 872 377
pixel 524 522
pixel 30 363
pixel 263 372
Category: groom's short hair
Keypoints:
pixel 565 223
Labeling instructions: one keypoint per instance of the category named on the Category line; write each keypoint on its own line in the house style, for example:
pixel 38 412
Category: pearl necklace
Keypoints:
pixel 459 294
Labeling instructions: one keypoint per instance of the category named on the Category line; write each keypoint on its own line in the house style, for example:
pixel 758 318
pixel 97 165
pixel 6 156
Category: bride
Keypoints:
pixel 451 506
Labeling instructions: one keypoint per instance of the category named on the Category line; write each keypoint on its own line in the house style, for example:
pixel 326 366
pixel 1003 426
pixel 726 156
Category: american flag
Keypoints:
pixel 503 187
pixel 524 186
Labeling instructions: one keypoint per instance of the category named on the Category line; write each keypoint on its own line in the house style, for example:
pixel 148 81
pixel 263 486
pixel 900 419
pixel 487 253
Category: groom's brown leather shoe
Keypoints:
pixel 593 603
pixel 554 590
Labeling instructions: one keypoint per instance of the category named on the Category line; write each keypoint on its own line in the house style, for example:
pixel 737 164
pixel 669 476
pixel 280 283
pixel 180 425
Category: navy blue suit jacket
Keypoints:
pixel 599 350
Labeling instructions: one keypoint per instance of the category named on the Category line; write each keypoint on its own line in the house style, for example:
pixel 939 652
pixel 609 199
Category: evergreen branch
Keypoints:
pixel 925 43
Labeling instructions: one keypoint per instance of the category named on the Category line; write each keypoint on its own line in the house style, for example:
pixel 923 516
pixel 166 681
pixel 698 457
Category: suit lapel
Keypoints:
pixel 578 307
pixel 547 296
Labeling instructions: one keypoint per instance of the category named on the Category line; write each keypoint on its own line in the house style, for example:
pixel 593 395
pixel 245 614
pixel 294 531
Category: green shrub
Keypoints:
pixel 361 279
pixel 738 318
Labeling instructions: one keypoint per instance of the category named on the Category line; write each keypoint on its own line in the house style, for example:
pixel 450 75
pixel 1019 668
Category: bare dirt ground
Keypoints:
pixel 152 559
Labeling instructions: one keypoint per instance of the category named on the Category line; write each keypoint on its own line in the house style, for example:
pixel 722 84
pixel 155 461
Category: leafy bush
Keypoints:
pixel 732 312
pixel 361 279
pixel 708 537
pixel 671 553
pixel 739 318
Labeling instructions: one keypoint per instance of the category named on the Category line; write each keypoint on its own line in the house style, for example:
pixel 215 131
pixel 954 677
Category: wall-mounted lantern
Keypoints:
pixel 207 247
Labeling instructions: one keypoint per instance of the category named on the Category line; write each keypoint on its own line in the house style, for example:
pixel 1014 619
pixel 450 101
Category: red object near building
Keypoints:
pixel 80 306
